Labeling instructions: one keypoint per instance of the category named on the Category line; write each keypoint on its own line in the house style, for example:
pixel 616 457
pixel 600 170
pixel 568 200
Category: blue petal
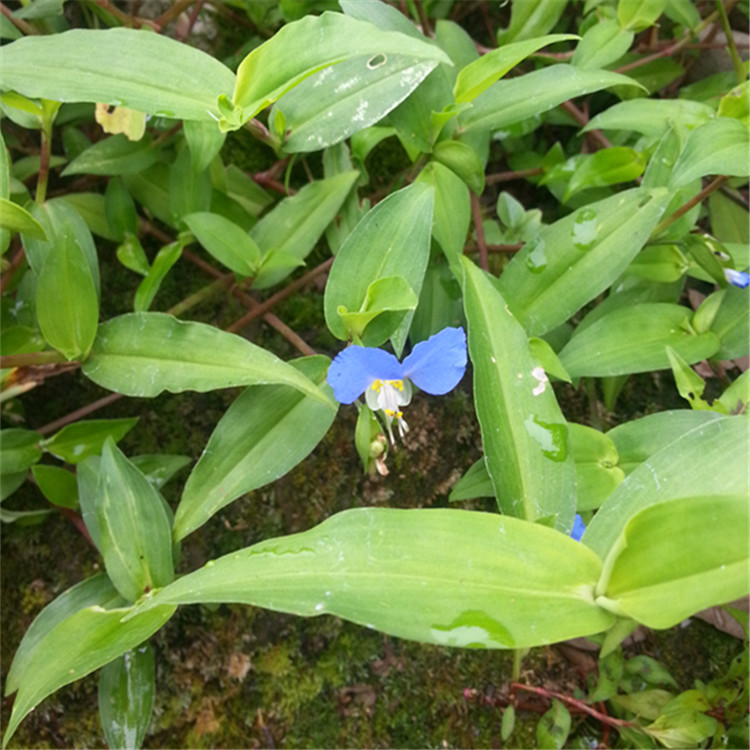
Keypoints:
pixel 353 369
pixel 737 278
pixel 436 365
pixel 578 528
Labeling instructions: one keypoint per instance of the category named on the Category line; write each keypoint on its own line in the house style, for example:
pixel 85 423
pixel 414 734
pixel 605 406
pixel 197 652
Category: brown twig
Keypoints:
pixel 125 18
pixel 583 120
pixel 266 305
pixel 715 184
pixel 576 704
pixel 519 174
pixel 178 6
pixel 15 263
pixel 84 411
pixel 22 25
pixel 476 215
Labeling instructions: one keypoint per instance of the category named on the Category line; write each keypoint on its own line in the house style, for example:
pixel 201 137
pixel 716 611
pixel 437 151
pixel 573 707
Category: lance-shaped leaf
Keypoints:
pixel 493 584
pixel 638 440
pixel 573 260
pixel 344 98
pixel 479 75
pixel 122 67
pixel 126 698
pixel 651 116
pixel 264 433
pixel 392 240
pixel 678 557
pixel 21 449
pixel 297 223
pixel 143 354
pixel 270 71
pixel 719 146
pixel 77 441
pixel 524 433
pixel 684 468
pixel 77 646
pixel 18 219
pixel 634 339
pixel 67 305
pixel 226 241
pixel 510 101
pixel 134 527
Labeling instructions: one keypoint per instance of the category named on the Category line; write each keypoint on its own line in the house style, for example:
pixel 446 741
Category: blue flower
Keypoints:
pixel 737 278
pixel 578 528
pixel 435 366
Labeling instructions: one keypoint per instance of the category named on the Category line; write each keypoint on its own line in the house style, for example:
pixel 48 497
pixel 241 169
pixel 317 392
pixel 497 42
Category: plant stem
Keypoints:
pixel 682 210
pixel 476 214
pixel 736 59
pixel 31 359
pixel 575 703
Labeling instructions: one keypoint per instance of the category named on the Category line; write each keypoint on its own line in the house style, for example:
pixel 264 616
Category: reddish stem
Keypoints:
pixel 476 214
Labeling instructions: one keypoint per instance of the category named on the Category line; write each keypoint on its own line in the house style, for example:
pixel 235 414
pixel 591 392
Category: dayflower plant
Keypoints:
pixel 435 366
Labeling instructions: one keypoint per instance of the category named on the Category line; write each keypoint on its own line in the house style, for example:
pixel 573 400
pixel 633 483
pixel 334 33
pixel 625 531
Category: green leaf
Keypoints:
pixel 131 254
pixel 452 213
pixel 602 45
pixel 91 207
pixel 264 433
pixel 391 294
pixel 77 646
pixel 531 18
pixel 508 102
pixel 637 15
pixel 21 449
pixel 143 354
pixel 463 160
pixel 120 210
pixel 97 590
pixel 634 339
pixel 296 224
pixel 661 263
pixel 597 472
pixel 346 97
pixel 494 578
pixel 189 192
pixel 62 224
pixel 729 222
pixel 151 189
pixel 126 698
pixel 683 468
pixel 120 67
pixel 524 433
pixel 159 468
pixel 15 218
pixel 204 141
pixel 393 239
pixel 554 727
pixel 479 75
pixel 640 439
pixel 269 71
pixel 135 530
pixel 678 557
pixel 651 117
pixel 149 287
pixel 475 482
pixel 66 298
pixel 115 155
pixel 226 241
pixel 719 146
pixel 76 442
pixel 609 166
pixel 575 259
pixel 57 485
pixel 732 324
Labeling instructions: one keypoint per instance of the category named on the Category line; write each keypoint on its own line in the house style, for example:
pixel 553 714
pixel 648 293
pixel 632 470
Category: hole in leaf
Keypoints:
pixel 376 61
